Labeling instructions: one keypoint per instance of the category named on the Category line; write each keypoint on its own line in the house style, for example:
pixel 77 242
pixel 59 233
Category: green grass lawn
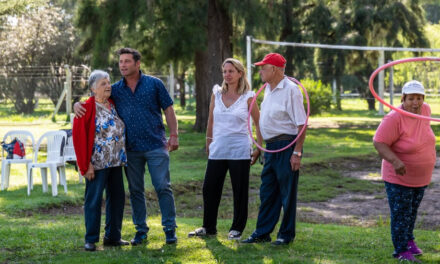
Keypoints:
pixel 59 239
pixel 43 238
pixel 43 229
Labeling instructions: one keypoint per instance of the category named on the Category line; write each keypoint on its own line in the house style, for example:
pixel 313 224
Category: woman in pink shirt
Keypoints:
pixel 407 147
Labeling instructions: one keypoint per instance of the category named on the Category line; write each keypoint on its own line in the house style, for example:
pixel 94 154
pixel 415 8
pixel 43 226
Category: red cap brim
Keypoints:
pixel 260 63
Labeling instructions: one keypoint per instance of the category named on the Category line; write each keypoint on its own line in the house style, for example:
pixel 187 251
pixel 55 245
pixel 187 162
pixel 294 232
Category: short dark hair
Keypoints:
pixel 404 97
pixel 136 54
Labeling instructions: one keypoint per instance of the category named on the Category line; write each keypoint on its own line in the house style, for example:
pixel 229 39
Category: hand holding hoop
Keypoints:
pixel 389 64
pixel 299 133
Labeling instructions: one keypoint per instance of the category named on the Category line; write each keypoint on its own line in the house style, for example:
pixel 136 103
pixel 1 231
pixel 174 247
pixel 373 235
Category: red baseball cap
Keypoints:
pixel 274 59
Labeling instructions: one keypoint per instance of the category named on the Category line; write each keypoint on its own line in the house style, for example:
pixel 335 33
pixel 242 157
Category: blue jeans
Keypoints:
pixel 279 187
pixel 111 180
pixel 404 203
pixel 158 161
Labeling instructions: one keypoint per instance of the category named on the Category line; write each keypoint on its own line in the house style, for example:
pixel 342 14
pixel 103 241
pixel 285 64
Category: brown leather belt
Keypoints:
pixel 281 137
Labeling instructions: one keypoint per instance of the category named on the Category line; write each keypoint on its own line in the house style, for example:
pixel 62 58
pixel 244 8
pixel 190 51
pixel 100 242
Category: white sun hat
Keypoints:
pixel 413 87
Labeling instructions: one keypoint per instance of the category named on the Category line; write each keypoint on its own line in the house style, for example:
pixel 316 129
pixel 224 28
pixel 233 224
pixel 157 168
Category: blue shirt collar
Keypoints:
pixel 141 75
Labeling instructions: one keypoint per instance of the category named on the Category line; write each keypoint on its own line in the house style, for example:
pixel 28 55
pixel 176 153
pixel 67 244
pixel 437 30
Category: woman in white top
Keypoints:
pixel 229 147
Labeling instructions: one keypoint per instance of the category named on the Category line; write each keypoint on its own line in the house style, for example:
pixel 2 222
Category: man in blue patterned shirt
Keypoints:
pixel 139 100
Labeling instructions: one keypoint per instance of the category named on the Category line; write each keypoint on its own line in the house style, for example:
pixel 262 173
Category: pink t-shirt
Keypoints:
pixel 413 141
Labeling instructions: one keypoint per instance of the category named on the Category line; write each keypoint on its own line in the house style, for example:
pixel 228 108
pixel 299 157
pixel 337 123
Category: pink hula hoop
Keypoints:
pixel 389 64
pixel 300 132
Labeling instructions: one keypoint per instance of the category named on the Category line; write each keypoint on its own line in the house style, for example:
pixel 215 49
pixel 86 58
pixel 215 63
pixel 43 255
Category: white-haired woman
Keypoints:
pixel 229 148
pixel 407 147
pixel 99 142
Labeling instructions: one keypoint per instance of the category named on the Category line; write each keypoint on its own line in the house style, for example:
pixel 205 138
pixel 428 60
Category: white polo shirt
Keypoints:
pixel 282 110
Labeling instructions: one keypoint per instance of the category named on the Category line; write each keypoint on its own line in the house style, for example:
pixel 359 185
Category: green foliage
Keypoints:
pixel 425 72
pixel 363 23
pixel 320 96
pixel 15 7
pixel 432 11
pixel 101 25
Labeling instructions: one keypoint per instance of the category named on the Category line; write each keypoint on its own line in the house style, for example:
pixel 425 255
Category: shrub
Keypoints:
pixel 320 96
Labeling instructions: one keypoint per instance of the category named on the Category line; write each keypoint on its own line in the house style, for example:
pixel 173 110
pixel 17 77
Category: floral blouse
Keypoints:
pixel 109 147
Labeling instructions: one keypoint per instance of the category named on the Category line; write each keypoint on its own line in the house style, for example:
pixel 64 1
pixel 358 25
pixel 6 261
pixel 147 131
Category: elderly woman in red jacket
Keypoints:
pixel 99 142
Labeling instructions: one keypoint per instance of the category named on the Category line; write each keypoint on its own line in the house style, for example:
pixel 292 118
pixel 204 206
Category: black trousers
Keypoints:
pixel 213 187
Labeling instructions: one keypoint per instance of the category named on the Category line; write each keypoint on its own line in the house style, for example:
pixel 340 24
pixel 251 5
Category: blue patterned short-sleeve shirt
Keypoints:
pixel 141 112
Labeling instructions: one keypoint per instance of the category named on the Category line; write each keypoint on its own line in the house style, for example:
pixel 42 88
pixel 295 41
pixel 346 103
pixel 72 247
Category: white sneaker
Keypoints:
pixel 234 235
pixel 200 232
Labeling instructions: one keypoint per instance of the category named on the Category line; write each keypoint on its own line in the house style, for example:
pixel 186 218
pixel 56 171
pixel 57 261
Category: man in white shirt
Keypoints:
pixel 282 118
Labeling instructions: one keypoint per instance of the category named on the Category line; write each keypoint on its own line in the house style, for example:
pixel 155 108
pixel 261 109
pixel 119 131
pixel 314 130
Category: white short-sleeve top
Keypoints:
pixel 231 138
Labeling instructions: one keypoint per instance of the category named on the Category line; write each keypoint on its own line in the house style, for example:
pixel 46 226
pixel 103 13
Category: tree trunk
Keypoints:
pixel 208 63
pixel 371 102
pixel 286 34
pixel 202 92
pixel 338 93
pixel 181 81
pixel 24 97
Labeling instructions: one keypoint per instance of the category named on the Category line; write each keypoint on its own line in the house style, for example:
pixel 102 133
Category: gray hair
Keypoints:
pixel 95 76
pixel 281 69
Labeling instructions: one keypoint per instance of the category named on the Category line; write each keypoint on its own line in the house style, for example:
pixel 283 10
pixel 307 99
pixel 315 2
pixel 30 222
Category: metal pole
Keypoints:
pixel 391 84
pixel 249 59
pixel 68 90
pixel 334 89
pixel 381 80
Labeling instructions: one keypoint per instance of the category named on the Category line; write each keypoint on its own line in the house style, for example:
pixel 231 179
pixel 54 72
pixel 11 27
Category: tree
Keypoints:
pixel 186 31
pixel 432 10
pixel 363 23
pixel 379 24
pixel 40 39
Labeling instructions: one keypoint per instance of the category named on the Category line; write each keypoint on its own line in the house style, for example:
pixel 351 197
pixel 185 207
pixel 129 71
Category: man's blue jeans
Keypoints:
pixel 158 161
pixel 279 187
pixel 111 180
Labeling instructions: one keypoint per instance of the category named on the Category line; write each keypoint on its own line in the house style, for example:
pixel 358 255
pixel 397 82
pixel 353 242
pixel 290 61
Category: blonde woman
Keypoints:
pixel 229 148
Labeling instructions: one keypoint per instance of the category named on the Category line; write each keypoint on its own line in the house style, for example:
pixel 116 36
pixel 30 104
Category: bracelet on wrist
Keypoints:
pixel 173 135
pixel 209 138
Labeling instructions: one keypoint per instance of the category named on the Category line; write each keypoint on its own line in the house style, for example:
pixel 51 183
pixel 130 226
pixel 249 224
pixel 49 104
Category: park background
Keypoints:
pixel 342 209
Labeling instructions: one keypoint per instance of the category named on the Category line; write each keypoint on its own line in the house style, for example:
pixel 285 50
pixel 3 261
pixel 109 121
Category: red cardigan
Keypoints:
pixel 83 134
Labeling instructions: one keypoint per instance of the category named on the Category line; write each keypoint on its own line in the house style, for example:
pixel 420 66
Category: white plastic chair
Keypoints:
pixel 28 141
pixel 69 155
pixel 54 161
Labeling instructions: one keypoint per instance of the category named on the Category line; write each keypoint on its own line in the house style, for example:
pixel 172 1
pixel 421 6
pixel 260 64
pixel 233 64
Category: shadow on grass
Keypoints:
pixel 225 254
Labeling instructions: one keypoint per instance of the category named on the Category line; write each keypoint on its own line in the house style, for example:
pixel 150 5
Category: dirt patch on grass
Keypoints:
pixel 64 209
pixel 369 209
